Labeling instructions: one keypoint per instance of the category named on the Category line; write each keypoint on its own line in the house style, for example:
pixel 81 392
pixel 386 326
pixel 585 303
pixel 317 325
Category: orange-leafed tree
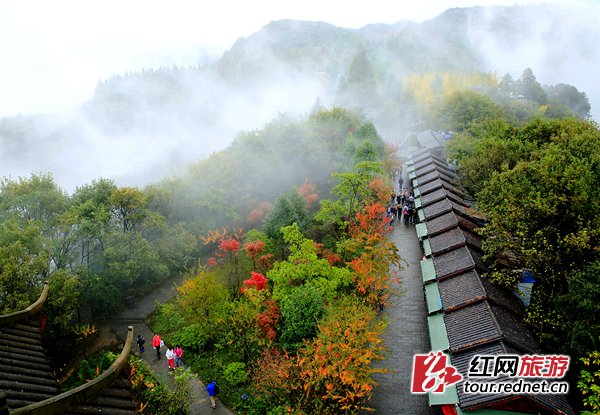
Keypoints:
pixel 335 369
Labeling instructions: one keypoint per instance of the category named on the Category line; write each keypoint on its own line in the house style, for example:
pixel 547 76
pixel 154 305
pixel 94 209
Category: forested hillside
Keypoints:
pixel 264 177
pixel 141 126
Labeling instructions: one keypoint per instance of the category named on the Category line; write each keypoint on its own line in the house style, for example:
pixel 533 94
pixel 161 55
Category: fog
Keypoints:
pixel 558 51
pixel 67 136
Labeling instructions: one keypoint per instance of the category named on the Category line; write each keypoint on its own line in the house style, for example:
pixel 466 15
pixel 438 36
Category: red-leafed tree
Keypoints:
pixel 227 248
pixel 309 192
pixel 256 281
pixel 253 250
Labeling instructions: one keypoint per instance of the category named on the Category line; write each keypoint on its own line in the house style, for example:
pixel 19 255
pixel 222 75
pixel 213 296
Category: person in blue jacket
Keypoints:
pixel 212 390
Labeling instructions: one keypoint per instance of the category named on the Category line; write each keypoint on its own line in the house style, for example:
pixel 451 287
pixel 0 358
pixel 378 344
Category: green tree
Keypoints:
pixel 301 311
pixel 543 214
pixel 463 108
pixel 580 311
pixel 128 207
pixel 202 301
pixel 570 96
pixel 304 267
pixel 352 188
pixel 23 265
pixel 289 208
pixel 530 88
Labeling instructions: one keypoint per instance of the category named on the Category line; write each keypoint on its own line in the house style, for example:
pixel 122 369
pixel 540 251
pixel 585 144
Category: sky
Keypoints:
pixel 55 52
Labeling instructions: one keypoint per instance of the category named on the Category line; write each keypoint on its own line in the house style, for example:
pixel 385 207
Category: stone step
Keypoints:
pixel 117 392
pixel 112 402
pixel 19 352
pixel 28 396
pixel 17 339
pixel 42 365
pixel 22 332
pixel 20 380
pixel 33 326
pixel 26 370
pixel 29 387
pixel 18 403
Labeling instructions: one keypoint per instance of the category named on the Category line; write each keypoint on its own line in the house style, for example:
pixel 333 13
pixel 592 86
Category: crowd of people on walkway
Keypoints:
pixel 401 206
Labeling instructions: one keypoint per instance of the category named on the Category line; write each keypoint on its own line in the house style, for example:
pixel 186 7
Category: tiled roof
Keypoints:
pixel 478 317
pixel 456 262
pixel 447 221
pixel 471 326
pixel 432 175
pixel 438 183
pixel 452 239
pixel 461 290
pixel 430 160
pixel 439 208
pixel 441 194
pixel 434 167
pixel 544 404
pixel 428 154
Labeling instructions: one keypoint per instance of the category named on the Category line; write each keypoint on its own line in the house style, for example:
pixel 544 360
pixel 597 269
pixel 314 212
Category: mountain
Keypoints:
pixel 141 126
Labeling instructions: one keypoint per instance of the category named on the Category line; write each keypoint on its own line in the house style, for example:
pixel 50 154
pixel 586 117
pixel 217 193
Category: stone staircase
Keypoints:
pixel 28 384
pixel 24 371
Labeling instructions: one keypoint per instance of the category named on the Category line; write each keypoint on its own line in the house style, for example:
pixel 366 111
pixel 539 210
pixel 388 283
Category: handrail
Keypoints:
pixel 3 404
pixel 8 319
pixel 63 402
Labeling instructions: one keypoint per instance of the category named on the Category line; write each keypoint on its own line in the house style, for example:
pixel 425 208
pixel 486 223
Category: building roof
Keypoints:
pixel 438 183
pixel 468 314
pixel 461 290
pixel 456 262
pixel 450 240
pixel 545 404
pixel 432 171
pixel 426 161
pixel 441 194
pixel 448 221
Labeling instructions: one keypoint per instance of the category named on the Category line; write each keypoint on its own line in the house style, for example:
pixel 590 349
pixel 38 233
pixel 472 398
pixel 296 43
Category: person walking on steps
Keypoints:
pixel 156 341
pixel 212 390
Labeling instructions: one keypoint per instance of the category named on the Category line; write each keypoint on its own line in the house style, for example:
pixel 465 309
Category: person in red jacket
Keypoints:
pixel 156 340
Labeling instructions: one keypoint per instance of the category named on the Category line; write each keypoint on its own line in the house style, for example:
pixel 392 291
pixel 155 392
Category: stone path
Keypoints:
pixel 134 316
pixel 406 333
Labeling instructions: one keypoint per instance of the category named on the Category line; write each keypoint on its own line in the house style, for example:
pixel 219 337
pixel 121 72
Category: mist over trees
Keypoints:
pixel 216 171
pixel 140 127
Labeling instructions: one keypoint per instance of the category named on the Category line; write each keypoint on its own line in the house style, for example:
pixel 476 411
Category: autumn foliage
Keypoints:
pixel 309 332
pixel 258 213
pixel 335 368
pixel 309 192
pixel 256 281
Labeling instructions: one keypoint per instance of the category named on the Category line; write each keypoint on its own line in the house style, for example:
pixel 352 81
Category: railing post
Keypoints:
pixel 3 403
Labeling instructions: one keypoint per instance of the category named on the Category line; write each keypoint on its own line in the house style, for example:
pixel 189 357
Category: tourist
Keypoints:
pixel 212 390
pixel 178 353
pixel 156 342
pixel 170 355
pixel 141 341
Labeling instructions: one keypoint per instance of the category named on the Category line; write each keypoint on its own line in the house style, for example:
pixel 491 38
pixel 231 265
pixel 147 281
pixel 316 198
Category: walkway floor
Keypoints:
pixel 406 333
pixel 134 316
